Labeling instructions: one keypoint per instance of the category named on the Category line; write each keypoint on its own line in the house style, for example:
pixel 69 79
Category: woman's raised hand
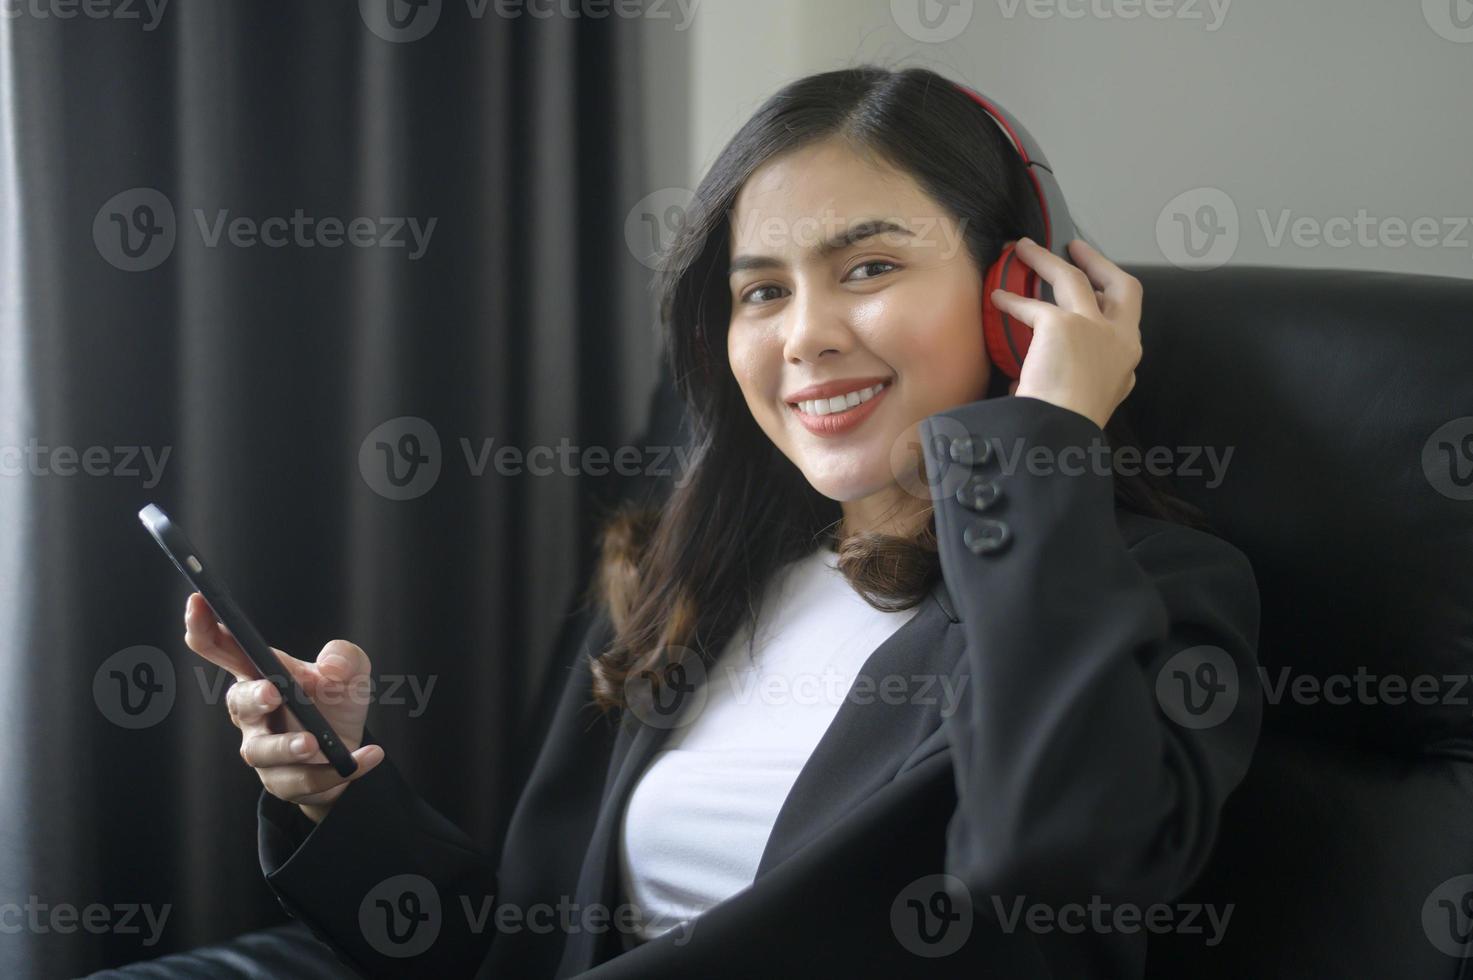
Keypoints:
pixel 1086 345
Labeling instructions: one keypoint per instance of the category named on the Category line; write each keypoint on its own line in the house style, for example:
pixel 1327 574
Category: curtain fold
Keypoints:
pixel 245 253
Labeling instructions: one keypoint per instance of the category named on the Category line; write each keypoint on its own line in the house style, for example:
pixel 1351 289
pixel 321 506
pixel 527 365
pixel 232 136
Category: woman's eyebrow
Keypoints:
pixel 854 234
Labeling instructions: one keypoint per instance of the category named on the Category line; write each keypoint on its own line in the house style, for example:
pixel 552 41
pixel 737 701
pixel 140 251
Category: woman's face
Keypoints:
pixel 900 306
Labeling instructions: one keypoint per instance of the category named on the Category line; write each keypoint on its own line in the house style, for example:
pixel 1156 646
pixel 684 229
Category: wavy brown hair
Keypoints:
pixel 678 579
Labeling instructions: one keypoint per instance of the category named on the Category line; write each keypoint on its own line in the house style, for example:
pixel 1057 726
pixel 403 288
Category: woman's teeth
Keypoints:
pixel 840 403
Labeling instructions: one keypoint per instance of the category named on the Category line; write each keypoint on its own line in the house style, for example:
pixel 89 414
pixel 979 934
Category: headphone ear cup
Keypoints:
pixel 1007 337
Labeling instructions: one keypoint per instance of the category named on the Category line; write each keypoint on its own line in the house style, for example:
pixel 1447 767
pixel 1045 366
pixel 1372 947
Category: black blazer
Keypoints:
pixel 1109 703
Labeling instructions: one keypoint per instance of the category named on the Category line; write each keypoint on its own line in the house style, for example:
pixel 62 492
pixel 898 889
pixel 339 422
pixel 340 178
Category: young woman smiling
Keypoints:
pixel 845 520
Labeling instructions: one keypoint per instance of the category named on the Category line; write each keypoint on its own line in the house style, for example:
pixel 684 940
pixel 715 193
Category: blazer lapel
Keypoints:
pixel 875 730
pixel 862 749
pixel 598 884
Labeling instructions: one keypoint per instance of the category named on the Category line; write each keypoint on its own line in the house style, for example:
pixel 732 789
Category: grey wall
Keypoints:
pixel 1226 118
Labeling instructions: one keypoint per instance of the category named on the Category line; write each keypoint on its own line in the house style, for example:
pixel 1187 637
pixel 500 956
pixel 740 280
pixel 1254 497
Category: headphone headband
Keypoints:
pixel 1058 226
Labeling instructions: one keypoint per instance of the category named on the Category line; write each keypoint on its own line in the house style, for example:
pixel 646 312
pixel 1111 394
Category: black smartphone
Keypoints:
pixel 187 559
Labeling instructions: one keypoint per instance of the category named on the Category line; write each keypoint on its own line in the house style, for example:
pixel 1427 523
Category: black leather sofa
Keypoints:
pixel 1346 402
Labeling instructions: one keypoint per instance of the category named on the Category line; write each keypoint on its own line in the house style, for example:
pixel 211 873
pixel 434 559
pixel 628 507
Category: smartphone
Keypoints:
pixel 186 558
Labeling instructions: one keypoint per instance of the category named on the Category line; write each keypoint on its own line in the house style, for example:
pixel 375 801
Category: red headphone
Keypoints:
pixel 1008 339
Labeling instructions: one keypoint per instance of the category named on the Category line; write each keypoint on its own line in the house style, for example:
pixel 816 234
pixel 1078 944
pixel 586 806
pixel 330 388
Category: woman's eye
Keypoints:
pixel 750 296
pixel 871 265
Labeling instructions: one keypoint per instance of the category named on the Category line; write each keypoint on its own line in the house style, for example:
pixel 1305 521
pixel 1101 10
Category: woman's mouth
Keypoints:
pixel 823 418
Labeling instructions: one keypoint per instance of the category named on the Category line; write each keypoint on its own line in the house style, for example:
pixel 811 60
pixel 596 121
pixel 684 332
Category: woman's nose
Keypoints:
pixel 814 326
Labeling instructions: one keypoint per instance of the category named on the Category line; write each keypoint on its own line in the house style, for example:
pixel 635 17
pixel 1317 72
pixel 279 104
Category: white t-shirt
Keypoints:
pixel 698 818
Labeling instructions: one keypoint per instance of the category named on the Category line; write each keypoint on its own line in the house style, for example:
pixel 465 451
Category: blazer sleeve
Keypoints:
pixel 381 851
pixel 1079 770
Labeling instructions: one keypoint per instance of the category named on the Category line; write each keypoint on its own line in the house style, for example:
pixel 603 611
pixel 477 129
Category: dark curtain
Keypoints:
pixel 240 378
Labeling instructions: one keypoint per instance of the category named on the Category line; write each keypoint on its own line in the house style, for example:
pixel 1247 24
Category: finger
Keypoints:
pixel 1072 289
pixel 1025 308
pixel 208 638
pixel 296 782
pixel 340 660
pixel 250 702
pixel 280 749
pixel 1120 290
pixel 344 674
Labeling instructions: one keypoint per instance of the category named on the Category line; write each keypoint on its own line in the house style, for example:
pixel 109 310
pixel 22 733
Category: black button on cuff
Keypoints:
pixel 969 451
pixel 978 494
pixel 987 537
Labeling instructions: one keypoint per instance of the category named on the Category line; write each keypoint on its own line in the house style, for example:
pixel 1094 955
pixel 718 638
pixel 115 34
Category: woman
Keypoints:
pixel 999 628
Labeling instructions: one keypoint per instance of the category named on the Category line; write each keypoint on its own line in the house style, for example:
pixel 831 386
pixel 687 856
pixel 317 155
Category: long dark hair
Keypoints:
pixel 679 578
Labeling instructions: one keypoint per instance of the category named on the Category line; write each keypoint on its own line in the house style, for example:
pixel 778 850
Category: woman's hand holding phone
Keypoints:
pixel 338 683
